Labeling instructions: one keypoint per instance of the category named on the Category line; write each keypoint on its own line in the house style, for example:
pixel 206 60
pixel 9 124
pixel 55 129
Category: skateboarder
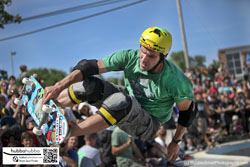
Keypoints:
pixel 152 86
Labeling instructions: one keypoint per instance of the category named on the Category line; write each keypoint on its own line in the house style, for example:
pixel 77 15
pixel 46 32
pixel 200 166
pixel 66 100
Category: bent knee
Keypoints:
pixel 115 107
pixel 91 90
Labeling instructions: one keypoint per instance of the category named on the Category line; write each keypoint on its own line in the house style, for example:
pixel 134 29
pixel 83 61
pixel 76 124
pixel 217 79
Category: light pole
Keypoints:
pixel 11 60
pixel 183 34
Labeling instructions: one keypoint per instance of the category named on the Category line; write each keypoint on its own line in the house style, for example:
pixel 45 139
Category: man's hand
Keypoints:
pixel 173 151
pixel 129 142
pixel 51 92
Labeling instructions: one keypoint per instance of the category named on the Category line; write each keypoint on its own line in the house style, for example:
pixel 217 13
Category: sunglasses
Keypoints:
pixel 3 85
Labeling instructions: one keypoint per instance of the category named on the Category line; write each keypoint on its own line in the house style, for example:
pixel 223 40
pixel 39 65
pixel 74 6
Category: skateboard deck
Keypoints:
pixel 53 124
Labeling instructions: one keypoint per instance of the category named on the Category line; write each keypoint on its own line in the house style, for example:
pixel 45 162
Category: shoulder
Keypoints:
pixel 175 74
pixel 88 149
pixel 128 54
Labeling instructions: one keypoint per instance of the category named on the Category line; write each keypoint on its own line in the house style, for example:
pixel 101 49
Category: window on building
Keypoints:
pixel 234 63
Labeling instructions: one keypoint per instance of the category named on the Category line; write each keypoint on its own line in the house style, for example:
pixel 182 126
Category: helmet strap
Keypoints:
pixel 162 57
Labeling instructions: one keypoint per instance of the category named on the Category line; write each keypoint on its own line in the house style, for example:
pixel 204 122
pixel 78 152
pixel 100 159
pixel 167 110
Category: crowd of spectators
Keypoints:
pixel 223 107
pixel 223 114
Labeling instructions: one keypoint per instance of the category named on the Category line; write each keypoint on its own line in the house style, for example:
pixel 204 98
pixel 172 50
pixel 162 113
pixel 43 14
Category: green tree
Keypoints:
pixel 199 60
pixel 50 76
pixel 5 17
pixel 3 75
pixel 178 59
pixel 216 64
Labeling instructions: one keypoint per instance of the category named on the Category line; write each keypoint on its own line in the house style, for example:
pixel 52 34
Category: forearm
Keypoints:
pixel 23 121
pixel 118 149
pixel 18 111
pixel 206 139
pixel 73 77
pixel 180 131
pixel 92 124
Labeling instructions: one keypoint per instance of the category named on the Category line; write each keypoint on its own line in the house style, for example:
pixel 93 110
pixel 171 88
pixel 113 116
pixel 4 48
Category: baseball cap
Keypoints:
pixel 235 117
pixel 81 105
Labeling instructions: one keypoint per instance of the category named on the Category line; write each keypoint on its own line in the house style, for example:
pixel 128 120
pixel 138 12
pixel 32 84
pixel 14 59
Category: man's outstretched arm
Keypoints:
pixel 53 92
pixel 186 116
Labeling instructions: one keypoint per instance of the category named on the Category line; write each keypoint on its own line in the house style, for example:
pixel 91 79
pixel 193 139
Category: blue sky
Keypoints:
pixel 209 25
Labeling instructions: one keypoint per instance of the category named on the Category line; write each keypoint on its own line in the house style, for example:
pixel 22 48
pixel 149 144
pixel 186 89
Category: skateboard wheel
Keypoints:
pixel 46 108
pixel 37 131
pixel 18 102
pixel 26 81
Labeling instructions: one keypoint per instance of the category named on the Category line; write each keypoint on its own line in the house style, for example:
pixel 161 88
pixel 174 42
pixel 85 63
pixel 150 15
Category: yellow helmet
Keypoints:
pixel 157 39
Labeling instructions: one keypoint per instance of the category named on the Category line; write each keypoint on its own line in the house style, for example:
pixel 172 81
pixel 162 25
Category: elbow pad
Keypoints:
pixel 87 67
pixel 186 117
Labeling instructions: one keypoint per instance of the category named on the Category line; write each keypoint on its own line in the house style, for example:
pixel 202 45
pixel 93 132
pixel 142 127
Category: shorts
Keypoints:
pixel 136 122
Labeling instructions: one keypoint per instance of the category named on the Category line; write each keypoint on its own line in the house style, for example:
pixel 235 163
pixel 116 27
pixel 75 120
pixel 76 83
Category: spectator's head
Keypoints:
pixel 23 68
pixel 12 80
pixel 198 97
pixel 30 123
pixel 4 87
pixel 27 139
pixel 211 66
pixel 2 101
pixel 240 91
pixel 235 119
pixel 84 109
pixel 8 121
pixel 90 139
pixel 62 148
pixel 13 93
pixel 13 133
pixel 72 142
pixel 37 77
pixel 240 94
pixel 14 143
pixel 213 98
pixel 226 82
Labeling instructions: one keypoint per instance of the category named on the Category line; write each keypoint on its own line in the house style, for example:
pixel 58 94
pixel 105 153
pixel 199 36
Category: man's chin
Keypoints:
pixel 143 69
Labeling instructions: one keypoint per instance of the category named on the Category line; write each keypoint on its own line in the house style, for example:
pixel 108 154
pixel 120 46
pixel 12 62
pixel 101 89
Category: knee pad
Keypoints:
pixel 115 107
pixel 91 90
pixel 186 117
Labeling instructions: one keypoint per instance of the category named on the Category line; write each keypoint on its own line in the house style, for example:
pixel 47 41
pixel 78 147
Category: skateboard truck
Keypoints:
pixel 46 110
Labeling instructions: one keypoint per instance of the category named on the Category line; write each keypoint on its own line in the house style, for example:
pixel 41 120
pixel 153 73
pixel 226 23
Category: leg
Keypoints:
pixel 92 124
pixel 92 89
pixel 170 135
pixel 126 112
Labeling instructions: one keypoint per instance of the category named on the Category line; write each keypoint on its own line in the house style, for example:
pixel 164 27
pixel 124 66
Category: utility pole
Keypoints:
pixel 183 34
pixel 11 61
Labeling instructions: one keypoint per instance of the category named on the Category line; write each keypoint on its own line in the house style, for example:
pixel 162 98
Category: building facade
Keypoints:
pixel 235 59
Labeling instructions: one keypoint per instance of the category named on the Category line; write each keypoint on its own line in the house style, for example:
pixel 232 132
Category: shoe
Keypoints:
pixel 188 157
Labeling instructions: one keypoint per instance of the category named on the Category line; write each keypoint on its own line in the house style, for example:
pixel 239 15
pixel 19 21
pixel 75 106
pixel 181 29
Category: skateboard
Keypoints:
pixel 49 120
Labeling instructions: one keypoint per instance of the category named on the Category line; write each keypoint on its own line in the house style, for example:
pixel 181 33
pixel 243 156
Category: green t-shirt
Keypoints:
pixel 156 93
pixel 118 138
